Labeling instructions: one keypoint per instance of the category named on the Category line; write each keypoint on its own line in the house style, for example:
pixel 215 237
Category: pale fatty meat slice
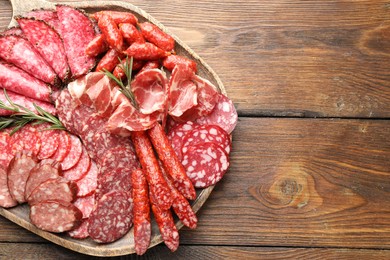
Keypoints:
pixel 74 154
pixel 81 231
pixel 18 51
pixel 45 170
pixel 79 87
pixel 112 217
pixel 100 96
pixel 55 216
pixel 205 164
pixel 48 43
pixel 78 171
pixel 17 80
pixel 76 41
pixel 6 200
pixel 88 184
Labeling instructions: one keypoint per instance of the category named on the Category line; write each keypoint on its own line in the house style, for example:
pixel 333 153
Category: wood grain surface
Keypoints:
pixel 310 168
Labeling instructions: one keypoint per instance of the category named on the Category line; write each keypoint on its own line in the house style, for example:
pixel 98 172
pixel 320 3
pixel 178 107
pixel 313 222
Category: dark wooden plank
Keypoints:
pixel 50 251
pixel 294 58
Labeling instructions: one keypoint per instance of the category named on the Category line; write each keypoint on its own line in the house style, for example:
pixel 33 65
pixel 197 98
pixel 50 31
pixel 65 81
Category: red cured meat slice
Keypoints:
pixel 149 88
pixel 79 87
pixel 5 154
pixel 112 217
pixel 54 189
pixel 26 139
pixel 42 14
pixel 176 136
pixel 182 91
pixel 119 180
pixel 55 216
pixel 207 133
pixel 80 115
pixel 205 164
pixel 224 115
pixel 19 51
pixel 85 205
pixel 64 106
pixel 6 200
pixel 13 31
pixel 87 185
pixel 80 169
pixel 49 141
pixel 14 79
pixel 100 95
pixel 76 41
pixel 63 147
pixel 91 127
pixel 45 170
pixel 18 171
pixel 25 102
pixel 118 157
pixel 48 43
pixel 80 232
pixel 74 154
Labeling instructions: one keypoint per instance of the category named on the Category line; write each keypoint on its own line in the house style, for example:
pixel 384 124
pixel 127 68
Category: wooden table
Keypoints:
pixel 310 167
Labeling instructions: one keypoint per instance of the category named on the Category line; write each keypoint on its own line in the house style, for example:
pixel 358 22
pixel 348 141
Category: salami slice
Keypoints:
pixel 43 14
pixel 224 115
pixel 14 79
pixel 45 170
pixel 85 205
pixel 54 189
pixel 112 217
pixel 19 51
pixel 176 136
pixel 118 157
pixel 25 139
pixel 6 200
pixel 49 141
pixel 55 216
pixel 87 185
pixel 80 115
pixel 76 41
pixel 119 180
pixel 64 106
pixel 63 148
pixel 48 43
pixel 13 31
pixel 80 232
pixel 74 154
pixel 80 169
pixel 205 164
pixel 18 171
pixel 5 154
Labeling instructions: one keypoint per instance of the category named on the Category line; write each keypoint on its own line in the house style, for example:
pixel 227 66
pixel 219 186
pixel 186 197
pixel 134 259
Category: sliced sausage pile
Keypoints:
pixel 119 160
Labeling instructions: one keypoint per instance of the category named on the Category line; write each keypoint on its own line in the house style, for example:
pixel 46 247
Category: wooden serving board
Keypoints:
pixel 20 214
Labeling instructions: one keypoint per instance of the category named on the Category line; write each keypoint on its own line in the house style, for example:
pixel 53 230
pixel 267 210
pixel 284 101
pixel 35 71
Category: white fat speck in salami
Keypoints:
pixel 80 232
pixel 74 154
pixel 80 169
pixel 87 185
pixel 85 204
pixel 112 217
pixel 63 147
pixel 55 216
pixel 224 115
pixel 18 172
pixel 211 163
pixel 6 200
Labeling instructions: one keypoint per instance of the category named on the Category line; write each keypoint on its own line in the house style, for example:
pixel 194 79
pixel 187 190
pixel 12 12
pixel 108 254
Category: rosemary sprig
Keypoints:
pixel 23 116
pixel 127 67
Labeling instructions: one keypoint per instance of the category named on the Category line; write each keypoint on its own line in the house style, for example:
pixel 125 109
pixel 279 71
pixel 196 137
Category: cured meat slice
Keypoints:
pixel 100 95
pixel 64 106
pixel 45 170
pixel 118 157
pixel 170 161
pixel 55 216
pixel 85 205
pixel 157 185
pixel 87 185
pixel 224 115
pixel 49 141
pixel 74 154
pixel 25 102
pixel 183 93
pixel 80 169
pixel 13 31
pixel 19 51
pixel 76 41
pixel 119 180
pixel 63 147
pixel 205 164
pixel 207 133
pixel 91 127
pixel 150 88
pixel 117 16
pixel 141 212
pixel 79 87
pixel 5 154
pixel 176 136
pixel 14 79
pixel 167 227
pixel 54 189
pixel 48 43
pixel 27 139
pixel 6 200
pixel 80 232
pixel 18 171
pixel 112 217
pixel 49 16
pixel 80 115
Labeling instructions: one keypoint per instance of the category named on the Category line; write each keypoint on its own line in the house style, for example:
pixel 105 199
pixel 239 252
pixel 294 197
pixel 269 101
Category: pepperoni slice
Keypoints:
pixel 74 154
pixel 80 169
pixel 205 164
pixel 88 184
pixel 65 143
